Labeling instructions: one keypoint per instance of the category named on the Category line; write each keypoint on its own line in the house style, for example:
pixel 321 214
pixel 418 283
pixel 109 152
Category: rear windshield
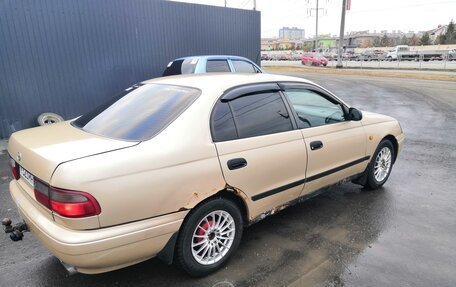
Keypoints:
pixel 178 67
pixel 139 113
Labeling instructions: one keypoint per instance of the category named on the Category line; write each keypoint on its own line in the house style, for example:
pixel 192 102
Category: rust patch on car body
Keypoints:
pixel 300 199
pixel 285 205
pixel 236 191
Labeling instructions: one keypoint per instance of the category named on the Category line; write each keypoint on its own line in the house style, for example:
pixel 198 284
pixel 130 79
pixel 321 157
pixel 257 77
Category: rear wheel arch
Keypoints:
pixel 181 256
pixel 229 193
pixel 235 196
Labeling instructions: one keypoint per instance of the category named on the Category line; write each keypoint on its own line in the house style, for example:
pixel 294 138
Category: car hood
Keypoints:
pixel 40 150
pixel 370 118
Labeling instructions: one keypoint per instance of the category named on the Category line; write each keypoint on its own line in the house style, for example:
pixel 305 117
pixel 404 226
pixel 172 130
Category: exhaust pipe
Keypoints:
pixel 69 268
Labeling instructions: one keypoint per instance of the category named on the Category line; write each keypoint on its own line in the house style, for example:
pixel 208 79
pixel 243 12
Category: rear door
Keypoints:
pixel 260 151
pixel 336 147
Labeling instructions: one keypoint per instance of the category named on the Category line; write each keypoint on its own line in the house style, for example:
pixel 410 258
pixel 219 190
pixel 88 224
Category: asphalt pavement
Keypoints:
pixel 401 235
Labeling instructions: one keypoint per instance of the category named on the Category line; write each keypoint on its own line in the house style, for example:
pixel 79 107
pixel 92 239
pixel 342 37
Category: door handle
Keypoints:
pixel 316 145
pixel 236 163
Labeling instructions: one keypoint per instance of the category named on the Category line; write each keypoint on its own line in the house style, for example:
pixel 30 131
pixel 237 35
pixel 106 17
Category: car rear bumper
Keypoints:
pixel 98 250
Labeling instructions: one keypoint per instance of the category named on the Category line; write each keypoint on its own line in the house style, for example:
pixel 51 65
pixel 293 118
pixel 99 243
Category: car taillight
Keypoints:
pixel 73 203
pixel 41 191
pixel 67 203
pixel 14 168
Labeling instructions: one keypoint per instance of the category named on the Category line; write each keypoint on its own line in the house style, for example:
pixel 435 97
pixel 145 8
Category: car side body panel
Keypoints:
pixel 378 127
pixel 263 173
pixel 344 144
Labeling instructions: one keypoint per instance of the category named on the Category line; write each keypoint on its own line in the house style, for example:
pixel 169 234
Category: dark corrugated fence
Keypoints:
pixel 66 56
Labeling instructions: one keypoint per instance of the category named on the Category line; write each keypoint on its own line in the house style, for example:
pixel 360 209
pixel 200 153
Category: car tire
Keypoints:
pixel 206 227
pixel 48 119
pixel 380 165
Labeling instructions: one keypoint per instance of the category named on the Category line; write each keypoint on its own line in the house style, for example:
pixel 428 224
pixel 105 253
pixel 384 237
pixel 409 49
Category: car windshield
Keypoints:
pixel 318 55
pixel 139 113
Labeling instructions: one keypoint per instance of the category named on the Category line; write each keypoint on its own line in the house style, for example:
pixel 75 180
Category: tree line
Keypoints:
pixel 449 37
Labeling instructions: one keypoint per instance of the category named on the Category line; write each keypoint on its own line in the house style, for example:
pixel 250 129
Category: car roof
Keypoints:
pixel 213 57
pixel 222 81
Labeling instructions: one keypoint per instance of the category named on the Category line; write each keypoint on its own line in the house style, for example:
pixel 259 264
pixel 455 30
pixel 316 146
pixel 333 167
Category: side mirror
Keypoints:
pixel 354 114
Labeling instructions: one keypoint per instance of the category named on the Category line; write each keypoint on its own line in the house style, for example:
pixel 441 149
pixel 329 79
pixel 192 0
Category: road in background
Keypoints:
pixel 401 235
pixel 433 65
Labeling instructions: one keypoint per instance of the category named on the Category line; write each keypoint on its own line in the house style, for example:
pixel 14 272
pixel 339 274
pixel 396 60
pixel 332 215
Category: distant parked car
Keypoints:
pixel 314 59
pixel 368 55
pixel 283 57
pixel 331 56
pixel 211 64
pixel 452 55
pixel 354 56
pixel 265 57
pixel 295 57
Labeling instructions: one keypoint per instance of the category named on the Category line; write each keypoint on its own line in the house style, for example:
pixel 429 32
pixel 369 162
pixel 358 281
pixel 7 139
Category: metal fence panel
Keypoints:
pixel 67 56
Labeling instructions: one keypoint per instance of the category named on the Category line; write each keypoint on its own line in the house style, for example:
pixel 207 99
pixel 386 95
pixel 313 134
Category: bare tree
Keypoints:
pixel 413 41
pixel 377 42
pixel 386 42
pixel 366 43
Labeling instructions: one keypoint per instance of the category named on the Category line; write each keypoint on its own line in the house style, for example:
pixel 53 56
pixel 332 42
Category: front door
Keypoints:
pixel 336 147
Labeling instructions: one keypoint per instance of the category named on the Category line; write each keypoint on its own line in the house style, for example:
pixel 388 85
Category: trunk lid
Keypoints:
pixel 40 150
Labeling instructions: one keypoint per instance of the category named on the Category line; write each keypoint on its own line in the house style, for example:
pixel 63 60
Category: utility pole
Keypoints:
pixel 317 11
pixel 316 28
pixel 341 36
pixel 254 5
pixel 225 3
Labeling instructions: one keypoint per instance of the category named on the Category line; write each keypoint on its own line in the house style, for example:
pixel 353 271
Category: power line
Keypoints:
pixel 244 4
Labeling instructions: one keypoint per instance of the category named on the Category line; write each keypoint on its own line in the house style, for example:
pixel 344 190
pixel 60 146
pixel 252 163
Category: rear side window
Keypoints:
pixel 217 66
pixel 243 66
pixel 250 116
pixel 260 114
pixel 139 113
pixel 178 67
pixel 223 128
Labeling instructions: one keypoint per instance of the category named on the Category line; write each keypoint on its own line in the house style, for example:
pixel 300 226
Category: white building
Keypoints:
pixel 293 33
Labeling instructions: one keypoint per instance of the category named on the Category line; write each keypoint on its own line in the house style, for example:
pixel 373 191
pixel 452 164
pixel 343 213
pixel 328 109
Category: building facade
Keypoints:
pixel 293 33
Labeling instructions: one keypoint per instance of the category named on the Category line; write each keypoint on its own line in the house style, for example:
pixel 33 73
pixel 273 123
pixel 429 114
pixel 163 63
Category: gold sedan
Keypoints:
pixel 175 167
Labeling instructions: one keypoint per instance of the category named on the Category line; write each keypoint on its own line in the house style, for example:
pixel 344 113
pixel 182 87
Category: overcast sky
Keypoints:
pixel 404 15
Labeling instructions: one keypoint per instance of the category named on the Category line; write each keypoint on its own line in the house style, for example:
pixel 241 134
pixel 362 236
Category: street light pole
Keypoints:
pixel 254 5
pixel 341 36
